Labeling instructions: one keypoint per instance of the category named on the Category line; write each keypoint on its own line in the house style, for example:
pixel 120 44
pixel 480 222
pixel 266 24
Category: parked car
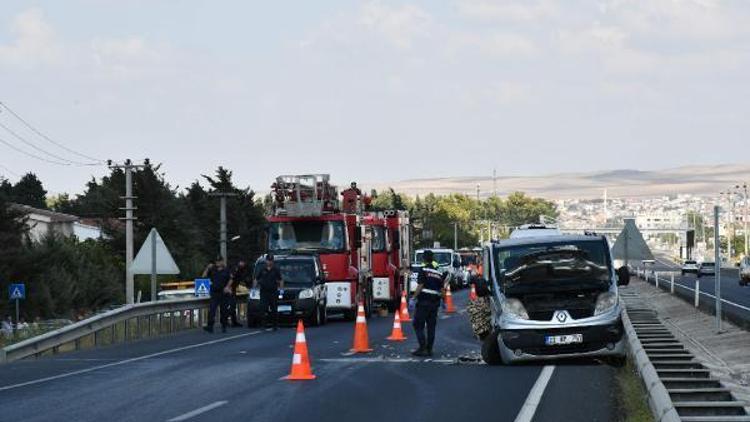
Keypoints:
pixel 553 297
pixel 707 268
pixel 304 292
pixel 689 267
pixel 745 271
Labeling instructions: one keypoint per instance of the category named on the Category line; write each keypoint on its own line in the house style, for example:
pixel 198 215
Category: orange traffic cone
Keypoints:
pixel 396 334
pixel 473 293
pixel 404 308
pixel 361 339
pixel 300 360
pixel 449 307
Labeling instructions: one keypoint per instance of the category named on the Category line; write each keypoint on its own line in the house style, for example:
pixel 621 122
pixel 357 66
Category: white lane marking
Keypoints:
pixel 535 395
pixel 123 362
pixel 384 360
pixel 198 411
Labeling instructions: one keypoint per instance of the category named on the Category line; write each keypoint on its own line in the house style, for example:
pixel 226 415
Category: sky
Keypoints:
pixel 372 91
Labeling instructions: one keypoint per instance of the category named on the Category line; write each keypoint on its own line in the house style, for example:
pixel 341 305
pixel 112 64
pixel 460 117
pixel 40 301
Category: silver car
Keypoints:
pixel 745 271
pixel 706 268
pixel 552 297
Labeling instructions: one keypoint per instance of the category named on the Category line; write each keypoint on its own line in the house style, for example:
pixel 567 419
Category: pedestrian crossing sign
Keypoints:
pixel 202 286
pixel 17 291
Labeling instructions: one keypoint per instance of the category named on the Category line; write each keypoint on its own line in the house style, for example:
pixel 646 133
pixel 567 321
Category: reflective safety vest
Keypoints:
pixel 432 283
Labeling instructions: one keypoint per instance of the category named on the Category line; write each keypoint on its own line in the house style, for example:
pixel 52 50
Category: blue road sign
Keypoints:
pixel 202 286
pixel 17 291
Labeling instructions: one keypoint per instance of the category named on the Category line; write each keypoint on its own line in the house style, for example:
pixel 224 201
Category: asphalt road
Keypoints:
pixel 198 376
pixel 730 289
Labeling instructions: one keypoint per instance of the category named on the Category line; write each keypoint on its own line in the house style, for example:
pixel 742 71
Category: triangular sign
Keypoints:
pixel 202 290
pixel 164 262
pixel 16 293
pixel 630 245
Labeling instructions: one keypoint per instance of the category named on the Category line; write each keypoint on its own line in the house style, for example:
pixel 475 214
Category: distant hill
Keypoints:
pixel 697 180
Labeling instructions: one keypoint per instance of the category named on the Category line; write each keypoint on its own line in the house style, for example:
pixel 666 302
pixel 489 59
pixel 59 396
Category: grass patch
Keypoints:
pixel 632 401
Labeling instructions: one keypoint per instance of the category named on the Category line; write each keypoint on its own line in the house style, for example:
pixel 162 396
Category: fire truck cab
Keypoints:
pixel 307 217
pixel 389 248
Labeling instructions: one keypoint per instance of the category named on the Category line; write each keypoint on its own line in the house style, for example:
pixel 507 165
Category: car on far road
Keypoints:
pixel 745 271
pixel 304 292
pixel 689 267
pixel 707 268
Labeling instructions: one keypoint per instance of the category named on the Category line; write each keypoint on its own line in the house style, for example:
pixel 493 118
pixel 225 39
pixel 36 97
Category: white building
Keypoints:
pixel 43 222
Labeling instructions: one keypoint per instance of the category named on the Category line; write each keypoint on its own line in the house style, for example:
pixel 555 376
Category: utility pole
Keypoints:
pixel 128 167
pixel 223 221
pixel 455 236
pixel 745 214
pixel 728 194
pixel 717 277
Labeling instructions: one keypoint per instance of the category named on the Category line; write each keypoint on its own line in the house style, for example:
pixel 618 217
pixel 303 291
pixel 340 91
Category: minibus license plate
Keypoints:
pixel 564 339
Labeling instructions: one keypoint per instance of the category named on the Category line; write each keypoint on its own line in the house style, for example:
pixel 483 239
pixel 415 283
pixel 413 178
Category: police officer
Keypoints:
pixel 240 274
pixel 220 293
pixel 269 280
pixel 430 283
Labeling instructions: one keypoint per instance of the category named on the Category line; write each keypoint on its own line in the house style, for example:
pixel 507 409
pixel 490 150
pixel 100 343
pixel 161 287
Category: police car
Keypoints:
pixel 304 292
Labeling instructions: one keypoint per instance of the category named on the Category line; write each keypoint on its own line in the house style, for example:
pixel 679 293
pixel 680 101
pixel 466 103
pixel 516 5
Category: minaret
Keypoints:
pixel 494 182
pixel 605 206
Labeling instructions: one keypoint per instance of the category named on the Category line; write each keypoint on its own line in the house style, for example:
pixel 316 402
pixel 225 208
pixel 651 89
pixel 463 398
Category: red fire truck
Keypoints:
pixel 307 216
pixel 389 245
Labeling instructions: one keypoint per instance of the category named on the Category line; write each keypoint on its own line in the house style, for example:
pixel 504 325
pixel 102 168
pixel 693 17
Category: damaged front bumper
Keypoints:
pixel 525 340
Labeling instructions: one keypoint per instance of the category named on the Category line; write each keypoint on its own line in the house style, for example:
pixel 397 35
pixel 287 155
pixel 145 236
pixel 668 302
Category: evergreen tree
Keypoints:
pixel 29 191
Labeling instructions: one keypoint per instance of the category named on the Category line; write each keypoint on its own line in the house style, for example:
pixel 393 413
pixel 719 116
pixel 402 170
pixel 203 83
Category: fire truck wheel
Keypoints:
pixel 315 318
pixel 368 305
pixel 350 315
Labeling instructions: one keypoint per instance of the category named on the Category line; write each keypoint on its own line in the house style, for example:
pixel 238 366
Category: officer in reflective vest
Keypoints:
pixel 430 284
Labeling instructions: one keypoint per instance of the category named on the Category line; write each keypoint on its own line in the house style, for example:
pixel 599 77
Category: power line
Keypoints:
pixel 32 145
pixel 8 144
pixel 47 138
pixel 10 171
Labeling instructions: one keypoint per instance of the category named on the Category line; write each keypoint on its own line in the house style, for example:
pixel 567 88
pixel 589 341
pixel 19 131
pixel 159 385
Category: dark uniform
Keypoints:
pixel 219 299
pixel 428 303
pixel 268 282
pixel 240 274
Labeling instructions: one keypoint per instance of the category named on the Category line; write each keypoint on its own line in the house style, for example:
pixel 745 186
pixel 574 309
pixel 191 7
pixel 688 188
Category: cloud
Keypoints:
pixel 596 38
pixel 494 44
pixel 515 11
pixel 681 20
pixel 400 25
pixel 131 57
pixel 34 41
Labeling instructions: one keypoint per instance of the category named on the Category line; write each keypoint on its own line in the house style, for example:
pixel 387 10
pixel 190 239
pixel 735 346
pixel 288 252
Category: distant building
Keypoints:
pixel 44 222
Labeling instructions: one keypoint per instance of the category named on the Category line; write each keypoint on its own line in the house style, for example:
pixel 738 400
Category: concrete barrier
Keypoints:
pixel 658 399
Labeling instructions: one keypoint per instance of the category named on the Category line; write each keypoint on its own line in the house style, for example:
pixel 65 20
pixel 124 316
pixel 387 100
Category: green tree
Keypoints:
pixel 29 191
pixel 520 209
pixel 245 216
pixel 12 233
pixel 66 278
pixel 390 200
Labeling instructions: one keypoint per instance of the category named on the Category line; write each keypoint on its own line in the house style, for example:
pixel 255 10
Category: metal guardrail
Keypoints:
pixel 654 276
pixel 132 321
